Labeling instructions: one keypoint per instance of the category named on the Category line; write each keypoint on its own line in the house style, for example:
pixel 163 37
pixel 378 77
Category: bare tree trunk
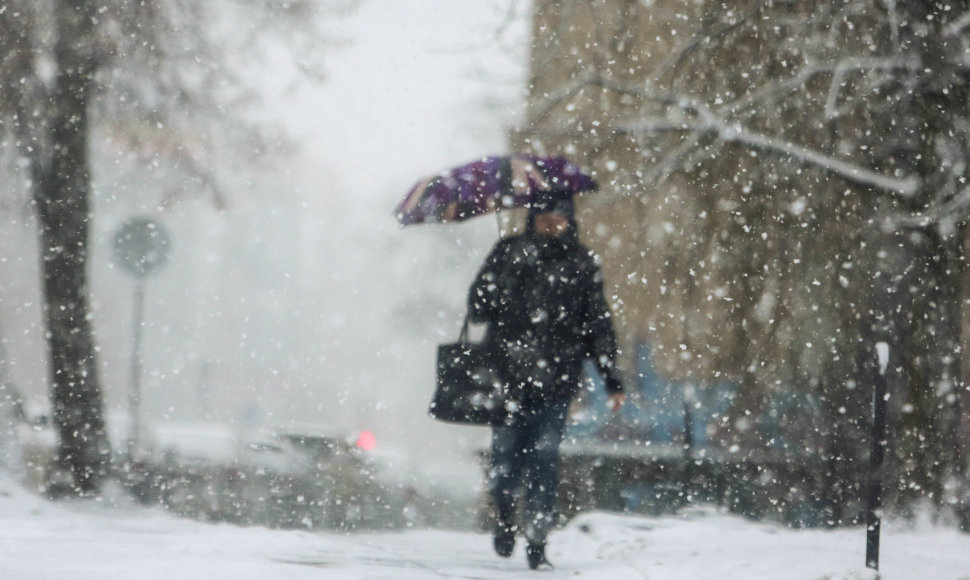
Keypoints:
pixel 62 197
pixel 11 416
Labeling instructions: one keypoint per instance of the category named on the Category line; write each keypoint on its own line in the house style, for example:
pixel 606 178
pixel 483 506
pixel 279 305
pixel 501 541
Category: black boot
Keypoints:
pixel 536 554
pixel 504 541
pixel 503 538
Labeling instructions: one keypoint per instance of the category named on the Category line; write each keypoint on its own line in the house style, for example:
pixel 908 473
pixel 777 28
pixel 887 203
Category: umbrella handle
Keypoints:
pixel 505 178
pixel 463 337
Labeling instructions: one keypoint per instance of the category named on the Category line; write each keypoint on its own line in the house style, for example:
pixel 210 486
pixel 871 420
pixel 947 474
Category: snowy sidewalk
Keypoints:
pixel 40 540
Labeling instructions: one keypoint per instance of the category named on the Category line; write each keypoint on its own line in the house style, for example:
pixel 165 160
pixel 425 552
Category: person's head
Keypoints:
pixel 550 223
pixel 551 214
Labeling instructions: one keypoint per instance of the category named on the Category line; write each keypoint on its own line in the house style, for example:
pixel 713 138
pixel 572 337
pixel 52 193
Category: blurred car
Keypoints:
pixel 279 478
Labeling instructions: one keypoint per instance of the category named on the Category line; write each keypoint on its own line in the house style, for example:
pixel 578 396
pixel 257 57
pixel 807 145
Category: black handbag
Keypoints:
pixel 469 389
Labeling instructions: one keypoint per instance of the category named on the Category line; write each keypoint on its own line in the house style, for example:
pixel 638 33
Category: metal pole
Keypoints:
pixel 687 487
pixel 134 392
pixel 688 426
pixel 876 458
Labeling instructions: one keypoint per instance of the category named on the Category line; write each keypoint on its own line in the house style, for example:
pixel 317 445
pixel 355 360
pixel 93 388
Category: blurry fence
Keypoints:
pixel 659 454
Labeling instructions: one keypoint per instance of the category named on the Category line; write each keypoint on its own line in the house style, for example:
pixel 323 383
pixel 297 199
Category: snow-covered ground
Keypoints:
pixel 105 540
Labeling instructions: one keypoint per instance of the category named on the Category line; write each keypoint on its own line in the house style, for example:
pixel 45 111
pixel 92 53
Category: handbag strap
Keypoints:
pixel 463 337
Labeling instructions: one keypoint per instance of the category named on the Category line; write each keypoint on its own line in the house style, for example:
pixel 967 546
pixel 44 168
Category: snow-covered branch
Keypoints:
pixel 839 70
pixel 686 113
pixel 957 26
pixel 860 64
pixel 906 186
pixel 736 133
pixel 545 106
pixel 934 215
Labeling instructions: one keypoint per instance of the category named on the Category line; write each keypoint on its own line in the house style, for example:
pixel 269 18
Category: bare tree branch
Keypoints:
pixel 957 26
pixel 735 133
pixel 956 206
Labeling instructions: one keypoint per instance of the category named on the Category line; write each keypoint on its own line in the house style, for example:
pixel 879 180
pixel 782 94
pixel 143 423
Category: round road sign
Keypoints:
pixel 141 246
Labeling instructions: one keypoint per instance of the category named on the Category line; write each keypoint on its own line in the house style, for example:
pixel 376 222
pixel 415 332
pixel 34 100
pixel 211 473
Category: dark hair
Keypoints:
pixel 553 201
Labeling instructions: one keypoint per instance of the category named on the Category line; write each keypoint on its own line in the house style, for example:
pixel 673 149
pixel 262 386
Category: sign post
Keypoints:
pixel 141 246
pixel 876 458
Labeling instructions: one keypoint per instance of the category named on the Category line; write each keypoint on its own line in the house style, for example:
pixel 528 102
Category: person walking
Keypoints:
pixel 541 295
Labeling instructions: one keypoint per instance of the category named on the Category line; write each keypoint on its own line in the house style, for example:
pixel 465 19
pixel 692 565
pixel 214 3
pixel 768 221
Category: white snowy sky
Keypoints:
pixel 421 85
pixel 405 97
pixel 412 88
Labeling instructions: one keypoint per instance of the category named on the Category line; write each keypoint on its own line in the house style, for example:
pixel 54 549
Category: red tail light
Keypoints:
pixel 366 441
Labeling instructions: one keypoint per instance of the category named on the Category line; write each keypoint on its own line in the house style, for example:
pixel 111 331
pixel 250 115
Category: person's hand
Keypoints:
pixel 616 401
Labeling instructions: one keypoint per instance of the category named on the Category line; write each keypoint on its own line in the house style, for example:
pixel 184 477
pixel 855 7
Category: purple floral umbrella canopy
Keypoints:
pixel 483 186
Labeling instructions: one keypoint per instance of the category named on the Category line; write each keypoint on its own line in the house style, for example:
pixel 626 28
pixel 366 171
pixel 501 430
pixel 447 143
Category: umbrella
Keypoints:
pixel 487 184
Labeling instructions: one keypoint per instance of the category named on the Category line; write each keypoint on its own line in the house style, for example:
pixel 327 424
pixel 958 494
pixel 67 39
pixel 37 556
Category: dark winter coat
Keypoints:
pixel 542 298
